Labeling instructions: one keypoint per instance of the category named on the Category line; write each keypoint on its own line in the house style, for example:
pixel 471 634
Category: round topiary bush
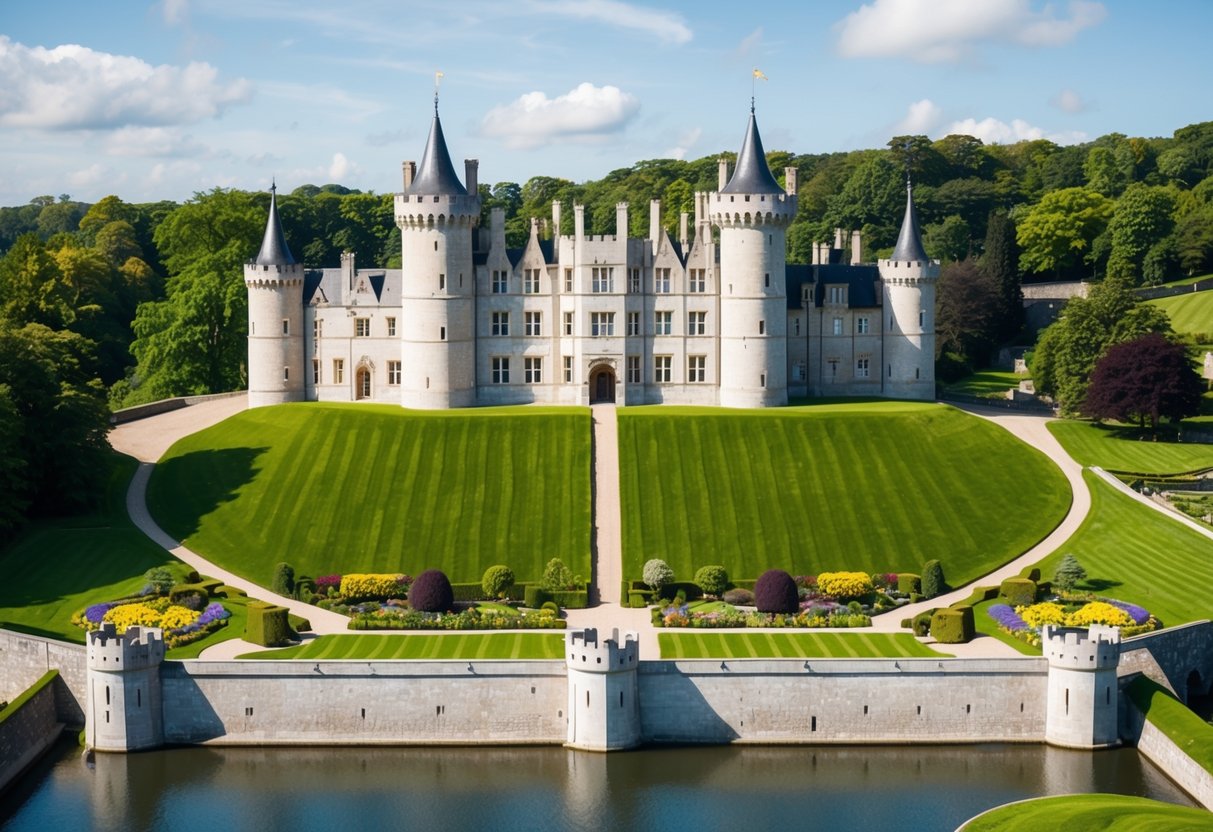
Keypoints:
pixel 712 579
pixel 431 592
pixel 738 597
pixel 775 591
pixel 497 581
pixel 657 574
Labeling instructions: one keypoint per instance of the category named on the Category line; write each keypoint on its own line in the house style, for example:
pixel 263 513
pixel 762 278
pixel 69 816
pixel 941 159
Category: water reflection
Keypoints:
pixel 699 789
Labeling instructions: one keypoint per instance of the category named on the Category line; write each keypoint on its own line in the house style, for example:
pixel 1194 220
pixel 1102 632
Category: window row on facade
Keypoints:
pixel 602 281
pixel 532 369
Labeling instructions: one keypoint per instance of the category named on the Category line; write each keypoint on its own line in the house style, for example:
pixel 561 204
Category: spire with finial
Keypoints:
pixel 274 251
pixel 436 174
pixel 752 174
pixel 909 241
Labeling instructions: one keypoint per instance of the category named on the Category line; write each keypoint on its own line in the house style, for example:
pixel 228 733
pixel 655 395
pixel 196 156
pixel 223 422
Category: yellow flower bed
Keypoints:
pixel 175 617
pixel 131 615
pixel 1098 612
pixel 1038 615
pixel 370 585
pixel 844 584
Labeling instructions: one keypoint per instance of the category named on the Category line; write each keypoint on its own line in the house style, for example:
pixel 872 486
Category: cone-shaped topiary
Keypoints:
pixel 775 591
pixel 431 592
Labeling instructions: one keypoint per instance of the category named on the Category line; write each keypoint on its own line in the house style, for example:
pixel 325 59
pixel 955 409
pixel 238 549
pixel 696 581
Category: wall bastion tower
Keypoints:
pixel 436 214
pixel 275 318
pixel 909 279
pixel 124 711
pixel 1082 700
pixel 604 704
pixel 752 213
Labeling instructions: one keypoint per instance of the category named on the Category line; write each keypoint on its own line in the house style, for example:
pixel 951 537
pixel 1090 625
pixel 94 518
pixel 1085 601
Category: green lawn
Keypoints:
pixel 354 488
pixel 1187 281
pixel 715 644
pixel 446 646
pixel 987 383
pixel 1116 448
pixel 877 487
pixel 1136 554
pixel 1191 313
pixel 1166 713
pixel 1091 813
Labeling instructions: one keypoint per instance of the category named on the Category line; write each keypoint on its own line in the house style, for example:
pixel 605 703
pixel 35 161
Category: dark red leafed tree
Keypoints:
pixel 1144 379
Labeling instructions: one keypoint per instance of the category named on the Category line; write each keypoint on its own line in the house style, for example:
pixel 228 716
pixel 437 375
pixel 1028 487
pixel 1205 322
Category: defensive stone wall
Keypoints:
pixel 1178 658
pixel 1164 753
pixel 27 729
pixel 23 661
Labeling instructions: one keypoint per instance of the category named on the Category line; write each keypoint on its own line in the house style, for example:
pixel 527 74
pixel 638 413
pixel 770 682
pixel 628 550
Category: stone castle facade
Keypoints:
pixel 713 318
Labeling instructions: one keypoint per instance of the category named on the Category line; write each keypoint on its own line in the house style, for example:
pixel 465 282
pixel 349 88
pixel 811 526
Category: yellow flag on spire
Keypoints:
pixel 760 75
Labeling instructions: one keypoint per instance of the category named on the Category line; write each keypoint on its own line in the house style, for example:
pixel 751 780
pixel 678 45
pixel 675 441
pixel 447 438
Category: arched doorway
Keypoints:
pixel 362 383
pixel 602 386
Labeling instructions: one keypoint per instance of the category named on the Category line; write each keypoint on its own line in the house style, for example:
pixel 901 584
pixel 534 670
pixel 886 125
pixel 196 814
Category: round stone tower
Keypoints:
pixel 275 318
pixel 436 215
pixel 909 279
pixel 604 705
pixel 123 711
pixel 752 213
pixel 1081 709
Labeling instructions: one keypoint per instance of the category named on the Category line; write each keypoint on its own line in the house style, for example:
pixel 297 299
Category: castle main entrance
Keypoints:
pixel 602 386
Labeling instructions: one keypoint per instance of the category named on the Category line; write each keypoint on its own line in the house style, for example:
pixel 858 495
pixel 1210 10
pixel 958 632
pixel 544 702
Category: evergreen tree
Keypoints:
pixel 1069 572
pixel 1001 263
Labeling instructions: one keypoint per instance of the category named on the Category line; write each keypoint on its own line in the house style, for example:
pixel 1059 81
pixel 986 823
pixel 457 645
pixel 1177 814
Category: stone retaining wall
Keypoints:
pixel 24 659
pixel 28 729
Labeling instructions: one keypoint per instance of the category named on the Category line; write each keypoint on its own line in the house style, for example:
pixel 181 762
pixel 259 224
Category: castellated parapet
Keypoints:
pixel 1082 699
pixel 124 712
pixel 604 705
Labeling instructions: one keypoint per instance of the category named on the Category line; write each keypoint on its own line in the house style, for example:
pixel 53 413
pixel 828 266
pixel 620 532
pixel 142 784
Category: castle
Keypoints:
pixel 711 320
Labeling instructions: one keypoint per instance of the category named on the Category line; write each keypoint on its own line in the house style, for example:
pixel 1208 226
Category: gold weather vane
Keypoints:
pixel 758 75
pixel 437 81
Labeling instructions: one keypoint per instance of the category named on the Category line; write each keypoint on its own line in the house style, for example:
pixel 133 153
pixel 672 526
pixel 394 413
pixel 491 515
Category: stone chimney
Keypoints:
pixel 722 174
pixel 682 231
pixel 856 248
pixel 555 220
pixel 655 221
pixel 790 181
pixel 471 168
pixel 410 170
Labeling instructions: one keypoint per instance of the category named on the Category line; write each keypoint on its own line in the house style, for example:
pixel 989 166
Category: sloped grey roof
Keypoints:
pixel 909 241
pixel 274 251
pixel 752 175
pixel 436 175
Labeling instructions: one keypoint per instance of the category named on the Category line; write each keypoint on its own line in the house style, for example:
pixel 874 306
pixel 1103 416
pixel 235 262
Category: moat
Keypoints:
pixel 923 788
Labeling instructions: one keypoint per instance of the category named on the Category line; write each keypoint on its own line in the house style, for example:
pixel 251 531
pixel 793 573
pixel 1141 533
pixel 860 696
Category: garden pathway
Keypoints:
pixel 1174 515
pixel 147 440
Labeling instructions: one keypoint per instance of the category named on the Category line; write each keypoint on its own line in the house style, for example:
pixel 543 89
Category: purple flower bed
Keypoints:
pixel 816 606
pixel 214 612
pixel 1140 615
pixel 96 612
pixel 1007 617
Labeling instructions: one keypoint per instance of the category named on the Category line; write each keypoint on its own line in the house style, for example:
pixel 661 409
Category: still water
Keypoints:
pixel 668 789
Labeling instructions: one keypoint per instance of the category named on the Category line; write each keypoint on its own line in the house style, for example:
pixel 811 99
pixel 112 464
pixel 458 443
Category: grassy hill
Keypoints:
pixel 1091 813
pixel 344 488
pixel 1191 314
pixel 877 486
pixel 1117 448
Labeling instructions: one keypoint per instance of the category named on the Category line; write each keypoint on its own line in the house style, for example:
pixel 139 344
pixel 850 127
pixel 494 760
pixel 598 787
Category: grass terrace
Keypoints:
pixel 870 486
pixel 471 645
pixel 333 488
pixel 703 644
pixel 1192 314
pixel 1091 813
pixel 1174 719
pixel 987 383
pixel 1117 448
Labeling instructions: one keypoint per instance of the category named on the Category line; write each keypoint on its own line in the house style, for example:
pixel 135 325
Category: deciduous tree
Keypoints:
pixel 1146 378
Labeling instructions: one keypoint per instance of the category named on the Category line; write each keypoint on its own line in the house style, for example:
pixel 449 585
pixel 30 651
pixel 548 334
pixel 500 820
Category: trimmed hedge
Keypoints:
pixel 775 591
pixel 933 583
pixel 638 600
pixel 475 592
pixel 921 623
pixel 908 582
pixel 432 592
pixel 267 625
pixel 979 594
pixel 533 596
pixel 298 623
pixel 1032 573
pixel 1019 592
pixel 953 625
pixel 572 599
pixel 181 591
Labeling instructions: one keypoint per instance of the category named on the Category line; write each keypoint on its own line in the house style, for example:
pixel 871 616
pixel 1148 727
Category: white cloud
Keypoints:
pixel 585 113
pixel 73 86
pixel 995 131
pixel 921 119
pixel 175 11
pixel 340 168
pixel 750 42
pixel 685 142
pixel 151 141
pixel 666 26
pixel 946 31
pixel 84 177
pixel 1069 101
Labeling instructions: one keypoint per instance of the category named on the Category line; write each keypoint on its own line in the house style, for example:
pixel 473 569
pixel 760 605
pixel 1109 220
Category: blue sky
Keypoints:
pixel 159 100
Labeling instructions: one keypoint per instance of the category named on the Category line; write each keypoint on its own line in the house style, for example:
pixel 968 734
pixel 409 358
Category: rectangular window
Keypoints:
pixel 393 372
pixel 602 280
pixel 442 333
pixel 533 323
pixel 501 323
pixel 663 323
pixel 501 369
pixel 602 324
pixel 499 282
pixel 633 323
pixel 838 295
pixel 568 369
pixel 766 280
pixel 661 368
pixel 315 371
pixel 633 369
pixel 699 281
pixel 318 328
pixel 338 370
pixel 391 327
pixel 697 368
pixel 661 281
pixel 838 326
pixel 530 281
pixel 862 326
pixel 441 282
pixel 762 327
pixel 634 281
pixel 568 323
pixel 863 368
pixel 362 327
pixel 697 323
pixel 286 326
pixel 568 280
pixel 532 370
pixel 921 316
pixel 286 373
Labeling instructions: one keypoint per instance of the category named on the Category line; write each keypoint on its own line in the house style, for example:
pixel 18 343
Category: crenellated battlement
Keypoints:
pixel 1076 648
pixel 585 652
pixel 428 211
pixel 751 209
pixel 136 649
pixel 273 274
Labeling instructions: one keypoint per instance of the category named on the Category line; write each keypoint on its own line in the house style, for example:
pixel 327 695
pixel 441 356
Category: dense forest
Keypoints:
pixel 117 303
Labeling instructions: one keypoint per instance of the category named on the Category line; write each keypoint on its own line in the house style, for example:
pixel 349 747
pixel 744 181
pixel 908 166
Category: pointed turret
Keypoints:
pixel 752 175
pixel 274 251
pixel 909 242
pixel 436 174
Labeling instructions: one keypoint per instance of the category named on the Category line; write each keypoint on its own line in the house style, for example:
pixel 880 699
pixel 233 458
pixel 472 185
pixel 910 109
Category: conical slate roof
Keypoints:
pixel 752 176
pixel 274 251
pixel 909 241
pixel 436 175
